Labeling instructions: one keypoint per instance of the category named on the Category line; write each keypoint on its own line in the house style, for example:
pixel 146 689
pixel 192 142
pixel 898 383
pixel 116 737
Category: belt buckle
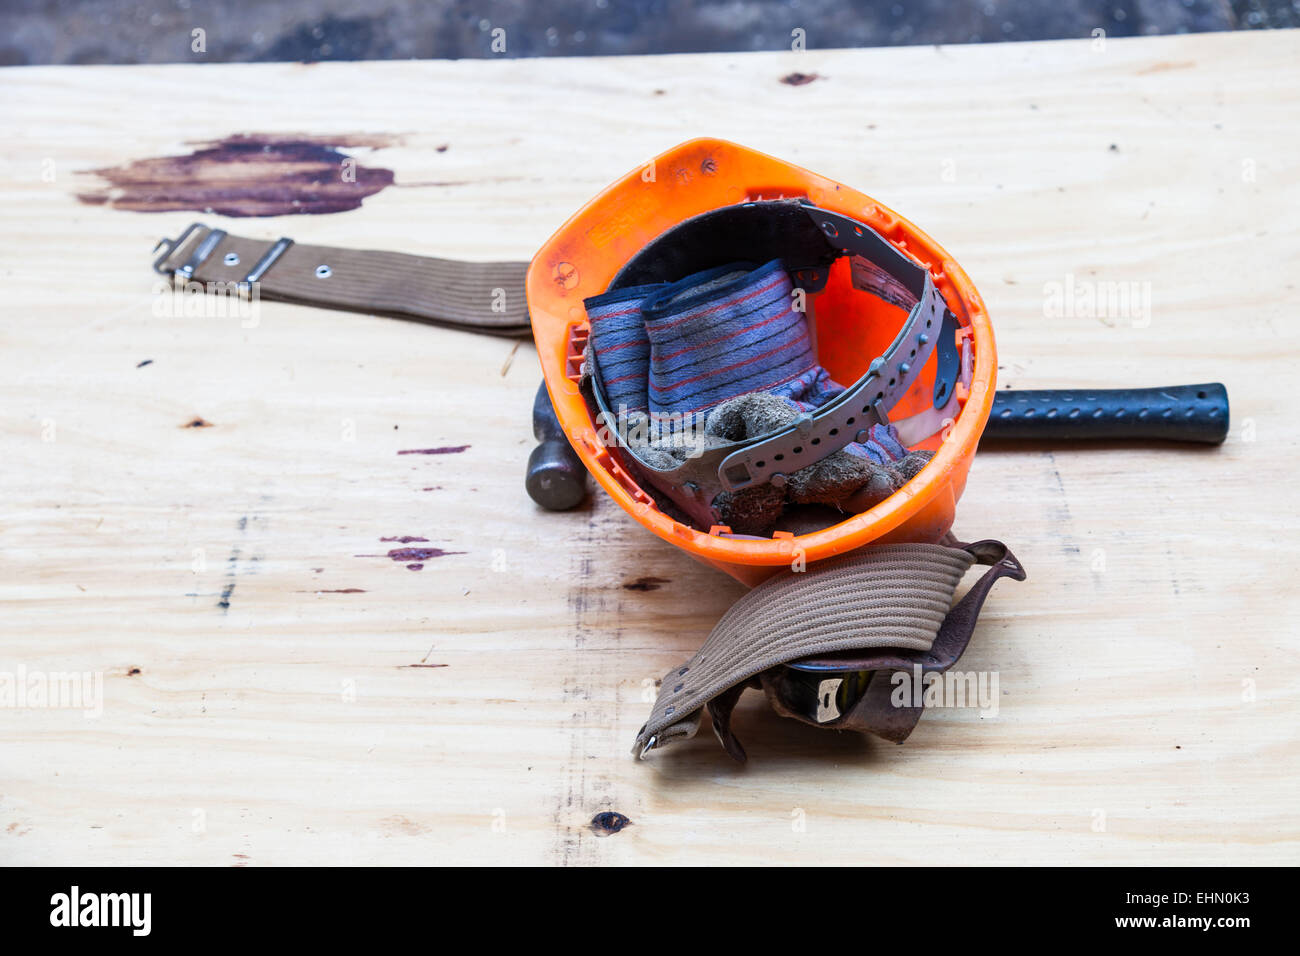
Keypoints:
pixel 208 245
pixel 204 249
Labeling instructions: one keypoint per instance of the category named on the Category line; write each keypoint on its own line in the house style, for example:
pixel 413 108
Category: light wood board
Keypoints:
pixel 1148 677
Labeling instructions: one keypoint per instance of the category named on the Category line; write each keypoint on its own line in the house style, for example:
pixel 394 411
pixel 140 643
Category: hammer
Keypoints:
pixel 556 478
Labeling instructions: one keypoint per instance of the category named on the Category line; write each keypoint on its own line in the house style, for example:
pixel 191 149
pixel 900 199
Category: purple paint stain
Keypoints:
pixel 414 567
pixel 418 554
pixel 246 175
pixel 411 554
pixel 443 450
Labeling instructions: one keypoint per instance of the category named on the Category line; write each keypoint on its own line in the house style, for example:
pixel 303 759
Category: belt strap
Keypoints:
pixel 476 296
pixel 893 599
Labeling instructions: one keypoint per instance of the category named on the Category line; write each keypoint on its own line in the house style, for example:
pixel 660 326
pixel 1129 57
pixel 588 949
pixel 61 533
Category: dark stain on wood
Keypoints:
pixel 603 824
pixel 404 539
pixel 403 555
pixel 799 79
pixel 442 450
pixel 334 591
pixel 646 584
pixel 418 554
pixel 133 672
pixel 197 422
pixel 144 363
pixel 248 174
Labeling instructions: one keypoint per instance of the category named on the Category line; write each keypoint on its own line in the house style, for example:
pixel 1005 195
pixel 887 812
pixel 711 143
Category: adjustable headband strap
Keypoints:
pixel 476 296
pixel 868 400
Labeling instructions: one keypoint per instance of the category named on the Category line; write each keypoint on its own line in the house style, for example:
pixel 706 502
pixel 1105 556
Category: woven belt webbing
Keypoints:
pixel 476 296
pixel 889 599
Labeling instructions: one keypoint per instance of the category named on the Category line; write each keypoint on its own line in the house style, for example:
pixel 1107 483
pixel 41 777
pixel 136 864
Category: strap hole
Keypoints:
pixel 682 672
pixel 678 688
pixel 780 457
pixel 669 711
pixel 850 421
pixel 816 441
pixel 231 259
pixel 323 271
pixel 1201 394
pixel 798 449
pixel 760 464
pixel 835 431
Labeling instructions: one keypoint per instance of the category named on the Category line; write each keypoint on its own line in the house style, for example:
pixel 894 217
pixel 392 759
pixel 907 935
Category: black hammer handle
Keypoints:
pixel 1196 413
pixel 556 478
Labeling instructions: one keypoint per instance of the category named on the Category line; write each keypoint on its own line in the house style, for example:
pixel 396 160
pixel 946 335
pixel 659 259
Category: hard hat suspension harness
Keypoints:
pixel 807 240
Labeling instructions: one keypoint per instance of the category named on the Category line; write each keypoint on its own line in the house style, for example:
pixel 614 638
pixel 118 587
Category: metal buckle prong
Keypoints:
pixel 207 245
pixel 170 246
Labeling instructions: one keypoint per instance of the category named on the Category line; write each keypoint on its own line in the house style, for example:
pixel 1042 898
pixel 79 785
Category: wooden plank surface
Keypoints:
pixel 262 702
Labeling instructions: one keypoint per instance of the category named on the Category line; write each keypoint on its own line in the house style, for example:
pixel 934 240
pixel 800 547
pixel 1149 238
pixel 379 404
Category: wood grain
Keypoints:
pixel 283 710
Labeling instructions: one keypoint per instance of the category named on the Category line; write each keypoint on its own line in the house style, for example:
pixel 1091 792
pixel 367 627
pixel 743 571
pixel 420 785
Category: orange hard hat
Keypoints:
pixel 858 336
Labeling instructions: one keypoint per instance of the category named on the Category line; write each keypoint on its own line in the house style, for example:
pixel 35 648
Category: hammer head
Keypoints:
pixel 556 479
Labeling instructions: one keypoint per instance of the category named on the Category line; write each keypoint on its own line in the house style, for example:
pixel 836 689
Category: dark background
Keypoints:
pixel 159 31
